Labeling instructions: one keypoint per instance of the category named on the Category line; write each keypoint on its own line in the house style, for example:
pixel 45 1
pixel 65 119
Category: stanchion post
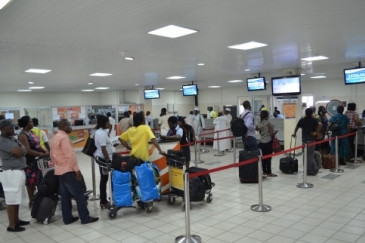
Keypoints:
pixel 93 196
pixel 188 237
pixel 234 149
pixel 305 185
pixel 219 153
pixel 199 161
pixel 337 170
pixel 261 207
pixel 204 150
pixel 355 155
pixel 195 154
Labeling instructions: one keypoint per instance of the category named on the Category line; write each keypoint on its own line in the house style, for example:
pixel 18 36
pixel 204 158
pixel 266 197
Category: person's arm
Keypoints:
pixel 110 130
pixel 102 140
pixel 328 128
pixel 159 121
pixel 23 140
pixel 124 138
pixel 46 141
pixel 177 137
pixel 124 143
pixel 318 130
pixel 14 149
pixel 357 120
pixel 296 128
pixel 271 130
pixel 202 121
pixel 248 119
pixel 155 143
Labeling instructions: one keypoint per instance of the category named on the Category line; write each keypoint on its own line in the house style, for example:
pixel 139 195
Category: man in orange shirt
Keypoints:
pixel 69 175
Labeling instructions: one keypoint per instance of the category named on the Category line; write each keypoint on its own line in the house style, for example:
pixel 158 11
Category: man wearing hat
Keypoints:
pixel 12 155
pixel 198 122
pixel 227 114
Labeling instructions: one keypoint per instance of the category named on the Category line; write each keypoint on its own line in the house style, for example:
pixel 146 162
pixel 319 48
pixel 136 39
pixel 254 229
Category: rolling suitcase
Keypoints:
pixel 289 164
pixel 46 209
pixel 249 173
pixel 329 161
pixel 318 159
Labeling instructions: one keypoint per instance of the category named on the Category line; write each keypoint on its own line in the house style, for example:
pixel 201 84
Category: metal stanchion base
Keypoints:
pixel 305 185
pixel 261 208
pixel 204 151
pixel 93 198
pixel 219 153
pixel 192 239
pixel 337 170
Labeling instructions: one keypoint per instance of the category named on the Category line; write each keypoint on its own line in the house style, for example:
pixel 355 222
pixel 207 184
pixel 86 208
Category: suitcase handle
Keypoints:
pixel 295 144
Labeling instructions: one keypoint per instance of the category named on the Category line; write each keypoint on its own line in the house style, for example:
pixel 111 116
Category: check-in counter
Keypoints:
pixel 79 135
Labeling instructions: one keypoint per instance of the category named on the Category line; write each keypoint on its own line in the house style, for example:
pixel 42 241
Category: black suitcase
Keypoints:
pixel 289 164
pixel 249 173
pixel 47 209
pixel 204 178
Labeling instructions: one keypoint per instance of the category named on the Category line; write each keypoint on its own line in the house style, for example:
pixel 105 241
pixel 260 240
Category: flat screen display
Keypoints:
pixel 152 94
pixel 255 84
pixel 190 90
pixel 286 85
pixel 354 75
pixel 9 116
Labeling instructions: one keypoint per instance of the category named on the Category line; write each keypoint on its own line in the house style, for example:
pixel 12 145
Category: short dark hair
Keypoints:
pixel 62 123
pixel 340 109
pixel 148 113
pixel 163 110
pixel 308 112
pixel 351 106
pixel 108 114
pixel 264 114
pixel 138 119
pixel 2 117
pixel 126 114
pixel 101 122
pixel 246 104
pixel 191 112
pixel 130 112
pixel 35 122
pixel 172 119
pixel 320 109
pixel 23 121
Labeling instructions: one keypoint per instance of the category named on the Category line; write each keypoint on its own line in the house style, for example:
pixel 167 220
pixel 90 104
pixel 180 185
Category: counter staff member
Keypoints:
pixel 164 126
pixel 12 155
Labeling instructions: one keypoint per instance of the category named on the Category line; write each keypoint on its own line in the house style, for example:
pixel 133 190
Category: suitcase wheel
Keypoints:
pixel 149 209
pixel 171 200
pixel 112 215
pixel 209 199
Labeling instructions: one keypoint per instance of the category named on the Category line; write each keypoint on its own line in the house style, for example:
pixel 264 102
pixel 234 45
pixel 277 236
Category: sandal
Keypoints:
pixel 272 175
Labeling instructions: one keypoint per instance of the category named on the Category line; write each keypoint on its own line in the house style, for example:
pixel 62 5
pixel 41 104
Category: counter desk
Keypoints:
pixel 79 135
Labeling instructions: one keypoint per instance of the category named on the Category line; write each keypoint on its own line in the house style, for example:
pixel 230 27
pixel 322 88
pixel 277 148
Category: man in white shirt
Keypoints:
pixel 249 140
pixel 163 123
pixel 220 123
pixel 227 113
pixel 189 118
pixel 198 122
pixel 149 119
pixel 112 132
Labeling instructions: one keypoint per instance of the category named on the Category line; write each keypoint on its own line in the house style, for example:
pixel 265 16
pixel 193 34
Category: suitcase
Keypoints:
pixel 46 209
pixel 329 161
pixel 318 159
pixel 249 173
pixel 204 178
pixel 289 164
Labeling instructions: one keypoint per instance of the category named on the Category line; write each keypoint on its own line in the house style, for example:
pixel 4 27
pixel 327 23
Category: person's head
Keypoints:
pixel 25 122
pixel 108 114
pixel 247 105
pixel 196 111
pixel 64 125
pixel 181 121
pixel 227 111
pixel 275 108
pixel 264 115
pixel 148 113
pixel 7 128
pixel 163 111
pixel 130 112
pixel 262 106
pixel 313 109
pixel 210 108
pixel 322 110
pixel 340 109
pixel 92 117
pixel 172 121
pixel 220 113
pixel 191 112
pixel 126 114
pixel 102 122
pixel 308 112
pixel 2 117
pixel 35 122
pixel 351 106
pixel 138 119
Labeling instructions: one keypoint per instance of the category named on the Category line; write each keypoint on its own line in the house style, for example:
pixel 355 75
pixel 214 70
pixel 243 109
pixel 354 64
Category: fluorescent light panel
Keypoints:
pixel 160 88
pixel 87 90
pixel 246 70
pixel 201 64
pixel 129 58
pixel 235 81
pixel 36 87
pixel 248 45
pixel 172 31
pixel 176 77
pixel 314 58
pixel 214 87
pixel 320 76
pixel 33 70
pixel 30 82
pixel 3 3
pixel 24 90
pixel 100 74
pixel 90 83
pixel 102 88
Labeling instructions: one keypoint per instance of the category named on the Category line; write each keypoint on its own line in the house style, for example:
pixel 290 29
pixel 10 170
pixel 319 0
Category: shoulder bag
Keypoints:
pixel 90 147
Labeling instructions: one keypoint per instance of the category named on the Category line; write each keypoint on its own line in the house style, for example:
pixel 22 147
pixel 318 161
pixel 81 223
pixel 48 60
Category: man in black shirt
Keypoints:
pixel 310 130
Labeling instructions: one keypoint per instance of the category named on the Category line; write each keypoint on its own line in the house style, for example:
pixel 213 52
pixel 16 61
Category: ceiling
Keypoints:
pixel 75 38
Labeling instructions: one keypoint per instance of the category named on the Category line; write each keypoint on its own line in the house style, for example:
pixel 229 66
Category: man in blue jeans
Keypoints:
pixel 69 175
pixel 249 141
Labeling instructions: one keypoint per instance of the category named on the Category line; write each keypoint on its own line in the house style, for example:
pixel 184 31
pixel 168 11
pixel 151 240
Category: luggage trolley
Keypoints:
pixel 112 207
pixel 44 164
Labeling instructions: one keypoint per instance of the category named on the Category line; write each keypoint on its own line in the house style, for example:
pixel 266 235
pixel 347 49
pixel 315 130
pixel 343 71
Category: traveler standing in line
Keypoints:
pixel 149 120
pixel 220 123
pixel 344 128
pixel 323 147
pixel 126 122
pixel 227 114
pixel 42 136
pixel 198 122
pixel 163 123
pixel 188 133
pixel 112 128
pixel 69 175
pixel 212 113
pixel 12 155
pixel 267 133
pixel 138 137
pixel 249 140
pixel 104 150
pixel 31 142
pixel 189 118
pixel 355 123
pixel 311 128
pixel 262 107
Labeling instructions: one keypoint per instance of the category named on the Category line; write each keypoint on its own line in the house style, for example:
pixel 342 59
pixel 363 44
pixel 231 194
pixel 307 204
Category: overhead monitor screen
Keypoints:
pixel 152 94
pixel 354 75
pixel 255 84
pixel 286 85
pixel 190 90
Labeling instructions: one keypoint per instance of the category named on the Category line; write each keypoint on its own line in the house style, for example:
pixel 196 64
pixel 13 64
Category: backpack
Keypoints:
pixel 238 126
pixel 49 185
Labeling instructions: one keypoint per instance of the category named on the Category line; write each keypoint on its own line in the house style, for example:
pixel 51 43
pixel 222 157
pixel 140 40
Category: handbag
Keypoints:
pixel 90 147
pixel 275 145
pixel 335 126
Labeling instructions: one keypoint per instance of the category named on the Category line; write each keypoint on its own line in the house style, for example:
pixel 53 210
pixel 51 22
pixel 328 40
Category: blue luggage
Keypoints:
pixel 146 187
pixel 122 190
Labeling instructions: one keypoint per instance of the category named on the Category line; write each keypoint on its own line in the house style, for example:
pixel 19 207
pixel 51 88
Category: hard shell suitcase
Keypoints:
pixel 289 164
pixel 248 173
pixel 318 159
pixel 329 161
pixel 47 209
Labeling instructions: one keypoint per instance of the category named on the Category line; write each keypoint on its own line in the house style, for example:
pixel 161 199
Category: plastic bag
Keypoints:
pixel 122 191
pixel 146 188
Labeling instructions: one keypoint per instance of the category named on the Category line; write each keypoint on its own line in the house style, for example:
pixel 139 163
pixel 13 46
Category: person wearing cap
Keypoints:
pixel 198 122
pixel 12 155
pixel 163 123
pixel 227 114
pixel 220 123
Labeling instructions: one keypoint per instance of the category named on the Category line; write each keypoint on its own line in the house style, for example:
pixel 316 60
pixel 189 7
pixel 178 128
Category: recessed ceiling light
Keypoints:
pixel 214 87
pixel 320 76
pixel 176 77
pixel 246 70
pixel 302 74
pixel 87 90
pixel 248 45
pixel 172 31
pixel 201 64
pixel 24 90
pixel 90 83
pixel 36 87
pixel 235 81
pixel 100 74
pixel 102 88
pixel 315 58
pixel 137 84
pixel 33 70
pixel 129 58
pixel 30 82
pixel 160 88
pixel 3 3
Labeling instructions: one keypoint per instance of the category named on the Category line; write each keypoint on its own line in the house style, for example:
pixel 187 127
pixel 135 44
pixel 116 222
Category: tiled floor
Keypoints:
pixel 331 212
